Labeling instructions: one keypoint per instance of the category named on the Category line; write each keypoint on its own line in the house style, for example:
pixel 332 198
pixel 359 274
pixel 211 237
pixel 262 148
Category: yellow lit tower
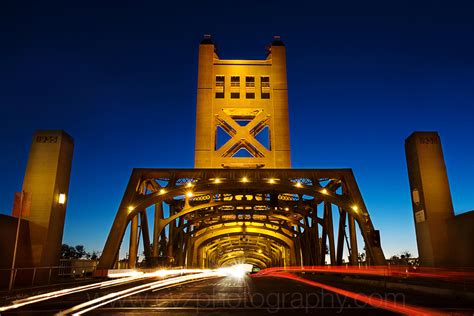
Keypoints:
pixel 431 197
pixel 47 182
pixel 242 110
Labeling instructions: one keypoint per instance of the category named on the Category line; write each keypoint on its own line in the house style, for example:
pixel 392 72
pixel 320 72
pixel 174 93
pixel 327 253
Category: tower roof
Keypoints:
pixel 207 40
pixel 277 41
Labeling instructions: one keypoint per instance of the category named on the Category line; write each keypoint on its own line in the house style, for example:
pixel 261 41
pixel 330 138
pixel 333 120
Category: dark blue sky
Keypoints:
pixel 121 79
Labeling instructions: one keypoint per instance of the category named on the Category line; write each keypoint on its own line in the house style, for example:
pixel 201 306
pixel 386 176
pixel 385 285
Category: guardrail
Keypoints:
pixel 30 276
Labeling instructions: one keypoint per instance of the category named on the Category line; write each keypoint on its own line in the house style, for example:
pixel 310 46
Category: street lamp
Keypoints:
pixel 62 198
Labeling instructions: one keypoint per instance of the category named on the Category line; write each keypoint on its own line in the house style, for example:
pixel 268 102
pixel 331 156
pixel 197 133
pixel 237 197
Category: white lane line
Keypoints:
pixel 101 285
pixel 59 293
pixel 111 297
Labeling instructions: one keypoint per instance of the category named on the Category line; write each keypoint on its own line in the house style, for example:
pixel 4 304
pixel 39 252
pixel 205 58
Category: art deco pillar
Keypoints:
pixel 47 181
pixel 431 197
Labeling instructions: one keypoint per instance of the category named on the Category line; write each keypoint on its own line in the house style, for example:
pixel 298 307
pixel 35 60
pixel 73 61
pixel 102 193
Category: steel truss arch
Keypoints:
pixel 290 244
pixel 291 199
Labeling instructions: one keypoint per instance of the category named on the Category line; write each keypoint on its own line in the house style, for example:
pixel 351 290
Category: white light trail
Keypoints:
pixel 106 299
pixel 237 271
pixel 127 277
pixel 50 295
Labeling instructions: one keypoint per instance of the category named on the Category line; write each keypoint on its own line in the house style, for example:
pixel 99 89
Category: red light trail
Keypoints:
pixel 390 271
pixel 373 301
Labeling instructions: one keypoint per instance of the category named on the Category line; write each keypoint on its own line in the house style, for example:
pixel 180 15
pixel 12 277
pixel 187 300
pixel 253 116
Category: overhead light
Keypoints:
pixel 298 184
pixel 259 250
pixel 287 208
pixel 244 179
pixel 162 191
pixel 189 194
pixel 217 180
pixel 324 191
pixel 130 208
pixel 62 198
pixel 189 184
pixel 271 181
pixel 355 208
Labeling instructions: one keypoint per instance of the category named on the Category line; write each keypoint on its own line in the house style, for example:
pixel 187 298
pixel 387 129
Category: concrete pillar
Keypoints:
pixel 431 197
pixel 47 180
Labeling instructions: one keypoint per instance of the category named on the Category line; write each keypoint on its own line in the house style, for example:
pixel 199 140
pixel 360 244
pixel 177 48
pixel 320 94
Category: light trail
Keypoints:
pixel 106 299
pixel 392 271
pixel 404 308
pixel 135 276
pixel 237 271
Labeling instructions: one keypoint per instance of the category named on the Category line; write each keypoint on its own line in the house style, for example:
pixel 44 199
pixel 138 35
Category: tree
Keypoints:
pixel 94 255
pixel 67 252
pixel 405 254
pixel 405 257
pixel 81 252
pixel 77 252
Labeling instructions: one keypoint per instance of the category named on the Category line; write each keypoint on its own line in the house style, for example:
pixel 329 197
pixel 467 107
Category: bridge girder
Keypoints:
pixel 297 203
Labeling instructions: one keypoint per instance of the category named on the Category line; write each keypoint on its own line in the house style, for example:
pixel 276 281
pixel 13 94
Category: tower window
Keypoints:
pixel 265 86
pixel 220 84
pixel 234 87
pixel 250 87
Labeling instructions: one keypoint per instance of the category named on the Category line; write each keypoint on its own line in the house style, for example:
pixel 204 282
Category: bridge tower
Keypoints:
pixel 242 110
pixel 242 202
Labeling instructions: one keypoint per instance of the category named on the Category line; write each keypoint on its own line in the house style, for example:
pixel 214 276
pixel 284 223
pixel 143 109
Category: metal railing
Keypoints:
pixel 29 276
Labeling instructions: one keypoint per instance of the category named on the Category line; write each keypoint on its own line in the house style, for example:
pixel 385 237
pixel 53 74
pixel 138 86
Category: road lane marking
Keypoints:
pixel 111 297
pixel 59 293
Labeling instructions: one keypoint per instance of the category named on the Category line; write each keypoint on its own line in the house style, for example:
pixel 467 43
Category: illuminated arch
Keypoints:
pixel 292 196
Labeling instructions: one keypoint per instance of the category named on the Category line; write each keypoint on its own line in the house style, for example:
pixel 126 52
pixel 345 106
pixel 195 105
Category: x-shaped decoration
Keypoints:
pixel 242 136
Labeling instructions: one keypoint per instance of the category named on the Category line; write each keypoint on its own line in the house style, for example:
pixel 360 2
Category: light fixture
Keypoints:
pixel 287 209
pixel 130 208
pixel 189 184
pixel 189 194
pixel 217 180
pixel 324 191
pixel 244 179
pixel 162 191
pixel 259 250
pixel 298 184
pixel 355 208
pixel 62 198
pixel 271 181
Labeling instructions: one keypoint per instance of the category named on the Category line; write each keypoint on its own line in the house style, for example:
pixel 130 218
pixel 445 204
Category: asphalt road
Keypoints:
pixel 230 296
pixel 247 296
pixel 213 296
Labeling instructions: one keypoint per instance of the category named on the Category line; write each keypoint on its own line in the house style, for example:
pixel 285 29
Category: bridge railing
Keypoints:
pixel 68 269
